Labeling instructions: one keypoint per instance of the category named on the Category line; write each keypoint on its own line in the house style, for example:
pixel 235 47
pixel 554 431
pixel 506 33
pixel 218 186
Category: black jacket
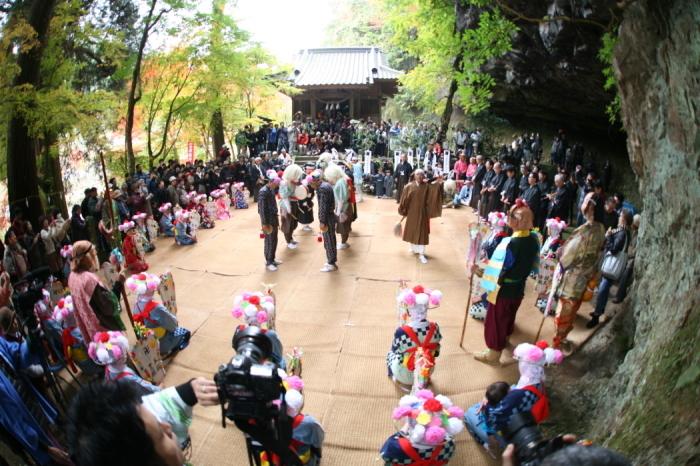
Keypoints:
pixel 615 241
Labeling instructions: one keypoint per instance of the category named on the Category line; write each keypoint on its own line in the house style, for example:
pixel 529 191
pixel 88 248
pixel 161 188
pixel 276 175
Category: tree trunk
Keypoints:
pixel 466 17
pixel 22 176
pixel 217 132
pixel 52 177
pixel 133 89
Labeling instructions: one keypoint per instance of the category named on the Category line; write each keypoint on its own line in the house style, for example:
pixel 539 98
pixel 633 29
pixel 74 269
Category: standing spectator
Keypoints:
pixel 616 240
pixel 579 261
pixel 78 226
pixel 532 195
pixel 255 178
pixel 461 167
pixel 559 200
pixel 495 187
pixel 269 220
pixel 53 230
pixel 402 175
pixel 272 134
pixel 628 274
pixel 476 182
pixel 15 259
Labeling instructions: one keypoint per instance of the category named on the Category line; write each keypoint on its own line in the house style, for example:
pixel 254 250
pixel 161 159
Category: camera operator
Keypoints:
pixel 111 424
pixel 572 455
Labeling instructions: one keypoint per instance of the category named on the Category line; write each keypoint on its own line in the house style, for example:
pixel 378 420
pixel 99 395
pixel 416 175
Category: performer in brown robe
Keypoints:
pixel 420 201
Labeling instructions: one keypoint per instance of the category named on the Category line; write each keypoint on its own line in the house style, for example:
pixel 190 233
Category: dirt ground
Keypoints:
pixel 343 321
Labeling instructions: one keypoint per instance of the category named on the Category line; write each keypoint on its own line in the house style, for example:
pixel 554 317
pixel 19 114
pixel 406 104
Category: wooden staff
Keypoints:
pixel 108 196
pixel 466 311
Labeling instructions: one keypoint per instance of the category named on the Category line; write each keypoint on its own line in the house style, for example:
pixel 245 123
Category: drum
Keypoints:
pixel 300 192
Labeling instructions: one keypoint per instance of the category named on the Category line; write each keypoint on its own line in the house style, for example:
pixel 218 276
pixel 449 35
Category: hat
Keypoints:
pixel 272 175
pixel 108 347
pixel 142 283
pixel 497 219
pixel 255 308
pixel 430 420
pixel 67 251
pixel 63 310
pixel 126 226
pixel 294 397
pixel 555 226
pixel 172 178
pixel 165 207
pixel 521 217
pixel 416 301
pixel 532 359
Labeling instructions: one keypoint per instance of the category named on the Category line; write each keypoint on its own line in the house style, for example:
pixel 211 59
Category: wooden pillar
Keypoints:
pixel 312 98
pixel 352 106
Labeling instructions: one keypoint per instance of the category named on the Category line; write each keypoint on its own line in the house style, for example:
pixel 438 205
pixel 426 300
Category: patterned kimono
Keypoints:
pixel 239 199
pixel 400 360
pixel 144 244
pixel 307 440
pixel 548 264
pixel 205 221
pixel 116 372
pixel 222 212
pixel 166 225
pixel 181 234
pixel 155 316
pixel 398 450
pixel 132 256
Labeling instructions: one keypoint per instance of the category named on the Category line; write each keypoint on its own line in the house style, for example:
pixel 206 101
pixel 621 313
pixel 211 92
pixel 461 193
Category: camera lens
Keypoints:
pixel 253 343
pixel 522 431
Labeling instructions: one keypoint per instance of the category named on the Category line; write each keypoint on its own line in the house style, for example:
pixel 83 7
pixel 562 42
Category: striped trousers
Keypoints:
pixel 271 246
pixel 329 243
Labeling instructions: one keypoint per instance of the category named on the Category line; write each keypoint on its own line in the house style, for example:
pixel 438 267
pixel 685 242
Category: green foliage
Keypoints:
pixel 605 55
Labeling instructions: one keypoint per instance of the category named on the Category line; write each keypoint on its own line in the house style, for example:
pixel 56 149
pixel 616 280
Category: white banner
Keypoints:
pixel 397 157
pixel 446 162
pixel 410 157
pixel 418 156
pixel 368 162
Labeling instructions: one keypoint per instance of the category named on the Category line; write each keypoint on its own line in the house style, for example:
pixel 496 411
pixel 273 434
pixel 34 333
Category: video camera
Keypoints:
pixel 27 292
pixel 530 446
pixel 252 396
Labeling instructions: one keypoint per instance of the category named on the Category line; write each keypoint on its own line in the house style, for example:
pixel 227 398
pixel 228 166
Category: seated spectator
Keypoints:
pixel 105 417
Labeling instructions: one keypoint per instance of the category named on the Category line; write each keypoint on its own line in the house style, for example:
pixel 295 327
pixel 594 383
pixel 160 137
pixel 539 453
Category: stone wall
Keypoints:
pixel 647 404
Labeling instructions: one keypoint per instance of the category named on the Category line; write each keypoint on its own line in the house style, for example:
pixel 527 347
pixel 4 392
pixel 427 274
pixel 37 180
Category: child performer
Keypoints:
pixel 258 309
pixel 417 333
pixel 134 259
pixel 426 439
pixel 224 187
pixel 183 234
pixel 307 433
pixel 166 220
pixel 548 260
pixel 73 345
pixel 222 212
pixel 111 349
pixel 152 314
pixel 239 197
pixel 206 221
pixel 140 219
pixel 498 223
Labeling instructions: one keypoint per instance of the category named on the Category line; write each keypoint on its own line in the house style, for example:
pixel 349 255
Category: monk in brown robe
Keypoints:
pixel 420 201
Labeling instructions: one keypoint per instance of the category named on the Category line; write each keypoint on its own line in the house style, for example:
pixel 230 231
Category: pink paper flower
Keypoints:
pixel 401 411
pixel 262 317
pixel 237 312
pixel 455 411
pixel 425 394
pixel 435 435
pixel 409 298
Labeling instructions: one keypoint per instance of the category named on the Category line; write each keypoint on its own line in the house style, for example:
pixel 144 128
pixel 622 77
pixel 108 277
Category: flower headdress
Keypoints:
pixel 294 397
pixel 217 193
pixel 555 226
pixel 272 175
pixel 201 198
pixel 126 226
pixel 239 186
pixel 139 216
pixel 63 310
pixel 224 186
pixel 430 420
pixel 497 219
pixel 165 207
pixel 67 251
pixel 108 348
pixel 532 359
pixel 182 214
pixel 521 217
pixel 418 299
pixel 143 283
pixel 256 308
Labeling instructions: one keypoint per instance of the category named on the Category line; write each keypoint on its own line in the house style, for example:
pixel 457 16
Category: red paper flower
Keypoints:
pixel 103 337
pixel 141 276
pixel 542 344
pixel 433 405
pixel 254 300
pixel 262 235
pixel 418 289
pixel 319 238
pixel 61 303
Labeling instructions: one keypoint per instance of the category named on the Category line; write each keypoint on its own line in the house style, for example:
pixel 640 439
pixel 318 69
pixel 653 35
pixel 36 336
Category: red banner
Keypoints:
pixel 190 152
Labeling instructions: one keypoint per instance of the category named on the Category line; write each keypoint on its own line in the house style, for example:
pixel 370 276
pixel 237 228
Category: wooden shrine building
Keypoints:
pixel 353 81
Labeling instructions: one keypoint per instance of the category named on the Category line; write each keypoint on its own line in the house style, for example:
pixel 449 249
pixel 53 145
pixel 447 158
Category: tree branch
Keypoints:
pixel 516 14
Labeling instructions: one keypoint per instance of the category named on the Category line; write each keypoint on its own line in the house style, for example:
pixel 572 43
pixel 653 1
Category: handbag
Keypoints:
pixel 614 264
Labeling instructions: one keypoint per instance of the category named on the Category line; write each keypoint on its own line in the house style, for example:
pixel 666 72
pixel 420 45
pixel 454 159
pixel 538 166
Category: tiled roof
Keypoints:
pixel 335 66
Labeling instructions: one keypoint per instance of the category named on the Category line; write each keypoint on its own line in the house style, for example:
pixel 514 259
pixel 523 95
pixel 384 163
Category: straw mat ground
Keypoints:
pixel 343 321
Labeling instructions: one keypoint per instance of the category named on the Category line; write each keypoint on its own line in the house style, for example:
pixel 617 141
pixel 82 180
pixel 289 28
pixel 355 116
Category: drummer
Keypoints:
pixel 306 204
pixel 290 188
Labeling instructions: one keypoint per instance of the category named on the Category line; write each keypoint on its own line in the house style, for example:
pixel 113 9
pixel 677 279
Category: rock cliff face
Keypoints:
pixel 553 75
pixel 647 403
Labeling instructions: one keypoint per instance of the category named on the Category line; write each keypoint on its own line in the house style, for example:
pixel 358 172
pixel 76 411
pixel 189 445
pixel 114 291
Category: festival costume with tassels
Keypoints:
pixel 155 316
pixel 134 260
pixel 166 225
